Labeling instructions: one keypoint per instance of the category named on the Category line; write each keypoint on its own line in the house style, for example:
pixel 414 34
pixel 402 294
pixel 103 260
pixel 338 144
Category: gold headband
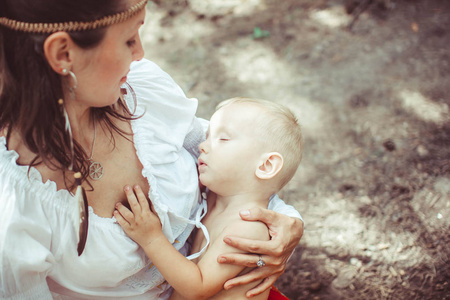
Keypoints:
pixel 43 28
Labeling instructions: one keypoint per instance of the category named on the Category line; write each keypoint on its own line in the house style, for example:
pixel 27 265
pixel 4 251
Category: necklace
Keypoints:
pixel 95 168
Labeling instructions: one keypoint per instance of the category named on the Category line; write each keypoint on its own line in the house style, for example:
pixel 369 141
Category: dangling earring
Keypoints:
pixel 81 214
pixel 66 72
pixel 75 83
pixel 68 130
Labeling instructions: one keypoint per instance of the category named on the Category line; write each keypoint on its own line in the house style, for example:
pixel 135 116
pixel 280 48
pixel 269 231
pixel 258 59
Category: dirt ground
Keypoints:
pixel 370 83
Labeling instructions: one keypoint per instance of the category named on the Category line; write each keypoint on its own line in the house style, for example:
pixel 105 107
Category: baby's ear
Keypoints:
pixel 269 165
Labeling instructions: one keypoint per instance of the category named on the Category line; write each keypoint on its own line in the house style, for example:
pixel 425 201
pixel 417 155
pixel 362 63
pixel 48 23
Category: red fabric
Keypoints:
pixel 275 294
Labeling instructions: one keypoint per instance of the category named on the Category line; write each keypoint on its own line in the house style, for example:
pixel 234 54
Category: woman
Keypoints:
pixel 69 103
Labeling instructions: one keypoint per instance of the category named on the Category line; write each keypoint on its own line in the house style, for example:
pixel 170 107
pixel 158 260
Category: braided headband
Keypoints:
pixel 72 26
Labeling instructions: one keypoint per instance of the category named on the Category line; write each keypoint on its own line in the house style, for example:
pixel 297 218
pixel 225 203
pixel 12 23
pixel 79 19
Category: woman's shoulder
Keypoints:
pixel 157 94
pixel 148 78
pixel 145 66
pixel 21 187
pixel 165 114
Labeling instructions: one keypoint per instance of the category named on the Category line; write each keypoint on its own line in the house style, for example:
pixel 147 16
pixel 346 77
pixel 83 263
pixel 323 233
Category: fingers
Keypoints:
pixel 263 286
pixel 268 273
pixel 256 274
pixel 259 214
pixel 152 208
pixel 285 233
pixel 241 259
pixel 251 260
pixel 132 200
pixel 123 215
pixel 271 248
pixel 265 273
pixel 297 229
pixel 141 197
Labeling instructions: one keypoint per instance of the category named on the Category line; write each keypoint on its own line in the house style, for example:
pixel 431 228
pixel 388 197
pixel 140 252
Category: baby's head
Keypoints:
pixel 250 142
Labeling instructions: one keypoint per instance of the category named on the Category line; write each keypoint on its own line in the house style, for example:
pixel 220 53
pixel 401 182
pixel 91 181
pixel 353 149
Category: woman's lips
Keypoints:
pixel 124 78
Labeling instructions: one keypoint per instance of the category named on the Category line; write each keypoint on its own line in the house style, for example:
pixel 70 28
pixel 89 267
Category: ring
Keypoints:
pixel 260 263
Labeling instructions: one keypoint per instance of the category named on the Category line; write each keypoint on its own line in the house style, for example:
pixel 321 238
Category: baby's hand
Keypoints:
pixel 141 223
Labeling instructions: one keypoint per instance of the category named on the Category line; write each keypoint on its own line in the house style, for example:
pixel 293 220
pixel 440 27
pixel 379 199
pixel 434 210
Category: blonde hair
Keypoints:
pixel 281 130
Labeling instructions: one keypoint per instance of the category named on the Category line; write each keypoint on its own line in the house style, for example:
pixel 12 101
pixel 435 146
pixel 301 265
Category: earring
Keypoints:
pixel 68 130
pixel 66 72
pixel 75 81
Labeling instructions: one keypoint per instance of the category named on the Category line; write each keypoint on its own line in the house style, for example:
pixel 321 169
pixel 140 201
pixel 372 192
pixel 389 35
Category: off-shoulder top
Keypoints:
pixel 38 258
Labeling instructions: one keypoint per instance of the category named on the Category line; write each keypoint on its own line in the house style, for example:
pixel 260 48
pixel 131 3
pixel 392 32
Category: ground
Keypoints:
pixel 370 82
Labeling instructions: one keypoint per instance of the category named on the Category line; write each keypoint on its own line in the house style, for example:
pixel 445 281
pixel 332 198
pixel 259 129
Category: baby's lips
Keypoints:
pixel 201 162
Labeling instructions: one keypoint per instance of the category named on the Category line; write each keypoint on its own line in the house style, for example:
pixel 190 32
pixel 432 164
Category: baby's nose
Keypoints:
pixel 201 147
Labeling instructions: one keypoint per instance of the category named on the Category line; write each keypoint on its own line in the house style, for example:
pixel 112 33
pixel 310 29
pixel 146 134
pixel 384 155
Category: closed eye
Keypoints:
pixel 131 43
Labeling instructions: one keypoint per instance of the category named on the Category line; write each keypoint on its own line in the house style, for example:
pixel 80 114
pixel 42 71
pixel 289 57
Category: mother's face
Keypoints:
pixel 102 70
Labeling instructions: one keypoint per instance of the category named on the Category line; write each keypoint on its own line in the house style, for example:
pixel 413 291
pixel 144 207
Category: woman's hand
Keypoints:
pixel 285 233
pixel 141 223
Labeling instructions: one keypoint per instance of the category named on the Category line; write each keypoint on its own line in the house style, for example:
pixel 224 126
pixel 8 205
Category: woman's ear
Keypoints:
pixel 58 51
pixel 269 165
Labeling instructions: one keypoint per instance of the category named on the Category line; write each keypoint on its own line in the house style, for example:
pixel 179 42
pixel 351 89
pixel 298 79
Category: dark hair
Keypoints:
pixel 30 89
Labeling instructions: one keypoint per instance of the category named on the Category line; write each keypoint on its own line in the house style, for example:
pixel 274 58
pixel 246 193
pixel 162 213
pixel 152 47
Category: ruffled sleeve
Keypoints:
pixel 25 238
pixel 165 118
pixel 163 105
pixel 278 205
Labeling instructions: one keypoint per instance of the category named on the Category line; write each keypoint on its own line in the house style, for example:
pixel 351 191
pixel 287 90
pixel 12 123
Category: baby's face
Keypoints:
pixel 233 147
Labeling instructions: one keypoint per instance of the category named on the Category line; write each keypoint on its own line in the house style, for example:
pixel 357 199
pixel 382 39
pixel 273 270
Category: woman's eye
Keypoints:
pixel 224 139
pixel 131 43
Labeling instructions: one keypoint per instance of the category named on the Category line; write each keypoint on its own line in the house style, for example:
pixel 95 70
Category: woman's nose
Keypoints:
pixel 139 52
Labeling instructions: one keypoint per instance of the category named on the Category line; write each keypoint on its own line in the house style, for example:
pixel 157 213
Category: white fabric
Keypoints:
pixel 37 236
pixel 201 212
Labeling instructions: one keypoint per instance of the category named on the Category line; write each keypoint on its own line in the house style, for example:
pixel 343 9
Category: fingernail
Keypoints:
pixel 127 188
pixel 227 240
pixel 222 260
pixel 136 187
pixel 245 213
pixel 228 287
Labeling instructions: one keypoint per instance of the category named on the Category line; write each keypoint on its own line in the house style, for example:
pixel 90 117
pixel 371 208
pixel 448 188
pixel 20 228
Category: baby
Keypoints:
pixel 252 149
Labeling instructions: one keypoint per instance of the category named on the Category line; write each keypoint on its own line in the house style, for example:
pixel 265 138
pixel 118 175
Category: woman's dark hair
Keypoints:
pixel 30 89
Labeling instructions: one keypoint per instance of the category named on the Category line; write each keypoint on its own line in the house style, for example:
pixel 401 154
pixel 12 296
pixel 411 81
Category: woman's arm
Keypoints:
pixel 285 233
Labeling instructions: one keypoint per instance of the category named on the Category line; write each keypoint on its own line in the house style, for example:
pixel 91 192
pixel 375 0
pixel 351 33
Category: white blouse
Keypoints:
pixel 38 257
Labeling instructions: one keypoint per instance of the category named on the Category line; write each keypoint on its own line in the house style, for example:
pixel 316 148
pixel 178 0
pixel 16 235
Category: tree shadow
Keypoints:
pixel 360 139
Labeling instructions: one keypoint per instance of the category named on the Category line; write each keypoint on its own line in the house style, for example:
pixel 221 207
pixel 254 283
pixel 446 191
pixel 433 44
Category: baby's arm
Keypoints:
pixel 191 281
pixel 214 275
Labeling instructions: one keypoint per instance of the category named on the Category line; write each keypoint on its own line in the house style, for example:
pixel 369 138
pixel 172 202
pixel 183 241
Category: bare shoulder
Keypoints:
pixel 254 230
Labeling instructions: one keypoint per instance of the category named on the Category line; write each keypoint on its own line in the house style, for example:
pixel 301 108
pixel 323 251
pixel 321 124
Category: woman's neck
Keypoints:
pixel 81 123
